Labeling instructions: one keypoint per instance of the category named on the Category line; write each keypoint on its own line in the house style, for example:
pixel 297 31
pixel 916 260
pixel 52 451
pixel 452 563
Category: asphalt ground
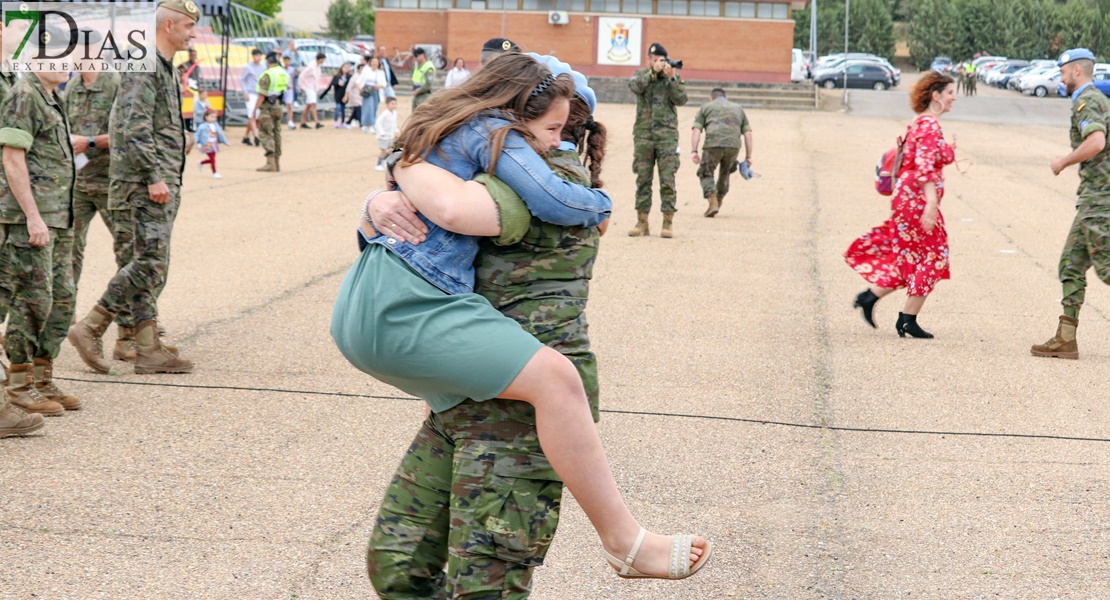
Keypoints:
pixel 744 399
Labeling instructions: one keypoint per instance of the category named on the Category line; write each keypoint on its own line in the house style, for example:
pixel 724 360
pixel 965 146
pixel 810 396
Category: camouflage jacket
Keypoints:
pixel 542 282
pixel 34 120
pixel 7 80
pixel 723 122
pixel 147 134
pixel 1091 113
pixel 88 109
pixel 656 100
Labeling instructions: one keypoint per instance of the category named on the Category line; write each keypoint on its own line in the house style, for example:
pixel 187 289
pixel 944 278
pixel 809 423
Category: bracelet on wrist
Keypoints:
pixel 366 206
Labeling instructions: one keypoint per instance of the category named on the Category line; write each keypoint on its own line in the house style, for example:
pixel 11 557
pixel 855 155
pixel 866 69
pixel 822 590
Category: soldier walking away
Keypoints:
pixel 1088 241
pixel 147 141
pixel 423 78
pixel 724 124
pixel 36 214
pixel 271 88
pixel 659 90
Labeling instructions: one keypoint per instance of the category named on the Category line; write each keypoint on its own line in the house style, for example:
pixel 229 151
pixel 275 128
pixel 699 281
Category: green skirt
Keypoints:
pixel 395 326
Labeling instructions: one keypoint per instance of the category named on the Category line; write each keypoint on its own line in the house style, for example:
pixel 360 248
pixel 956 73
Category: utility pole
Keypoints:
pixel 813 29
pixel 847 4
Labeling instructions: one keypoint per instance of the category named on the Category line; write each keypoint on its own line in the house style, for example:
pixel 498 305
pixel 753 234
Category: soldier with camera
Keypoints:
pixel 659 90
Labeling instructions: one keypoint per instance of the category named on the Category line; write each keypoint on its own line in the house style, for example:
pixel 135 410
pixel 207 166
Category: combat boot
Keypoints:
pixel 271 165
pixel 14 421
pixel 277 163
pixel 641 227
pixel 714 206
pixel 1063 344
pixel 86 336
pixel 22 393
pixel 125 344
pixel 152 357
pixel 668 225
pixel 44 383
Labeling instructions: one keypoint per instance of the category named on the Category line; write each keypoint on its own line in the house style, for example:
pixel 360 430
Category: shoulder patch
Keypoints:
pixel 1083 124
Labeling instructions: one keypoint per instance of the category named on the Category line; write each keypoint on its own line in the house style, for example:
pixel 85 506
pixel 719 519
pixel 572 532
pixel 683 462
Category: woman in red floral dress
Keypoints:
pixel 910 249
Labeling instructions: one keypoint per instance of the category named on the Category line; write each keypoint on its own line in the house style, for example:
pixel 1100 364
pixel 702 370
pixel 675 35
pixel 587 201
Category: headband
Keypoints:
pixel 546 83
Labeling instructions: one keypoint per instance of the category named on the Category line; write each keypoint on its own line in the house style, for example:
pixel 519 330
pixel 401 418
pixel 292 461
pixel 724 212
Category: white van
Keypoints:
pixel 799 71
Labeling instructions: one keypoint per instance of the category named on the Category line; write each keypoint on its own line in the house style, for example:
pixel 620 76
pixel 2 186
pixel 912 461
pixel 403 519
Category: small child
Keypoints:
pixel 387 130
pixel 209 136
pixel 201 105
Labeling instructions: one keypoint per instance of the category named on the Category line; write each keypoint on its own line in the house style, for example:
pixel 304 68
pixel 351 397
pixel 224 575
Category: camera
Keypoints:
pixel 675 64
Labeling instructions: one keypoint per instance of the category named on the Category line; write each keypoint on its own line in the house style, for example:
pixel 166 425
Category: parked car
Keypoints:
pixel 861 74
pixel 1018 80
pixel 995 76
pixel 1039 85
pixel 941 64
pixel 799 70
pixel 335 55
pixel 265 44
pixel 838 66
pixel 1101 81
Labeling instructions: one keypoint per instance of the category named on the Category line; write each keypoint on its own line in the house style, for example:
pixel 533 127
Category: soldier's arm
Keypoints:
pixel 695 132
pixel 19 180
pixel 640 81
pixel 429 78
pixel 261 93
pixel 1091 146
pixel 134 113
pixel 464 207
pixel 677 90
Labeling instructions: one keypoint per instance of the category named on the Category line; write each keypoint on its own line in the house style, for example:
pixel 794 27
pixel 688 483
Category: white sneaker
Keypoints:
pixel 373 130
pixel 217 176
pixel 200 166
pixel 380 167
pixel 292 125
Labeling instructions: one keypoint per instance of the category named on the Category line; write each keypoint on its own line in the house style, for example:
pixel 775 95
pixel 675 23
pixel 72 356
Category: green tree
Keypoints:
pixel 1077 24
pixel 871 27
pixel 266 7
pixel 934 30
pixel 364 10
pixel 342 19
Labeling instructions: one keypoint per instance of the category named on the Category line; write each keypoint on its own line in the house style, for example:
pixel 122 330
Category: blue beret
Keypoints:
pixel 581 86
pixel 1075 54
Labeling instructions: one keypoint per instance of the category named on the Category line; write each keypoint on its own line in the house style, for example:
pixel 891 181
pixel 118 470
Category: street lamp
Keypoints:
pixel 847 3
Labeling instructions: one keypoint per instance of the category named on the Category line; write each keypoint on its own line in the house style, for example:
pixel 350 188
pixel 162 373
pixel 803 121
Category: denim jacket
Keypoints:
pixel 445 258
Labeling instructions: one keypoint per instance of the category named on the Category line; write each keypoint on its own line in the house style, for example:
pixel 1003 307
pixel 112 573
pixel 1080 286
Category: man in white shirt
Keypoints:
pixel 248 83
pixel 309 82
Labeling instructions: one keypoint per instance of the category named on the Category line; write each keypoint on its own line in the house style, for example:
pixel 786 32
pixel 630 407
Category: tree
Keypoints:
pixel 364 10
pixel 934 29
pixel 871 28
pixel 266 7
pixel 1077 24
pixel 342 19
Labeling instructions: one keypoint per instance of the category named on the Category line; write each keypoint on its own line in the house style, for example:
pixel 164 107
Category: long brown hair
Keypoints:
pixel 511 83
pixel 588 136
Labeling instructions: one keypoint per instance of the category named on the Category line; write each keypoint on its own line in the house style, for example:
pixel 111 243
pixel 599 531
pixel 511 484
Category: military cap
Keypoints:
pixel 657 50
pixel 185 7
pixel 55 37
pixel 500 45
pixel 1075 54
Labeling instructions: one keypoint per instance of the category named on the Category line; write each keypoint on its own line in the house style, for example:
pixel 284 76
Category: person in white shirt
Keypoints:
pixel 387 131
pixel 457 74
pixel 374 78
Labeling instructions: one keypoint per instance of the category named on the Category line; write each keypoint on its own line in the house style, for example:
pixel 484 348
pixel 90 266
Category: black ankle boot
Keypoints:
pixel 865 301
pixel 908 324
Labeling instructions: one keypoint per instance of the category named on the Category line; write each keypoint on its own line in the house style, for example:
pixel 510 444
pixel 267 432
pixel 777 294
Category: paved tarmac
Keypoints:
pixel 745 400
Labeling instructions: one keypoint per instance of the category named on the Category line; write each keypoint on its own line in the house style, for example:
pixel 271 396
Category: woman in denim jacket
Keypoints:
pixel 407 314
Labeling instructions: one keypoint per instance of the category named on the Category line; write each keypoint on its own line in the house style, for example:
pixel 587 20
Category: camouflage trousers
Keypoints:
pixel 722 161
pixel 645 157
pixel 85 208
pixel 269 127
pixel 141 232
pixel 1088 245
pixel 39 280
pixel 473 493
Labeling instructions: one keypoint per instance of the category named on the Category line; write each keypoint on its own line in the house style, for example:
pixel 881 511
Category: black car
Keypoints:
pixel 868 76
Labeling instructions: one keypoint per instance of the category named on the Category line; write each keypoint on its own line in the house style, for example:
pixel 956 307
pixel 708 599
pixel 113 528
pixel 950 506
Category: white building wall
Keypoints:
pixel 309 15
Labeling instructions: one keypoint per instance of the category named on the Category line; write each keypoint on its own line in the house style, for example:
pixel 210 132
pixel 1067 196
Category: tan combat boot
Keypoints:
pixel 22 393
pixel 44 383
pixel 714 206
pixel 641 227
pixel 152 357
pixel 14 421
pixel 277 163
pixel 668 225
pixel 86 334
pixel 125 344
pixel 271 165
pixel 1063 344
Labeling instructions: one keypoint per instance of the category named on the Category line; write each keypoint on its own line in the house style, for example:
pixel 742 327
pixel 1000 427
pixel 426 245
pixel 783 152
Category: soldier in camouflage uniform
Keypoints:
pixel 271 86
pixel 724 124
pixel 487 502
pixel 36 213
pixel 147 143
pixel 658 89
pixel 1088 241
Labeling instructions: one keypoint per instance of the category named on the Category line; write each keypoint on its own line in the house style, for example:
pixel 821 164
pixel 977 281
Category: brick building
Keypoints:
pixel 719 40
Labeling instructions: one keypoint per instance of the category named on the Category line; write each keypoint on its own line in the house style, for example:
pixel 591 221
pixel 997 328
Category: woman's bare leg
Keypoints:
pixel 550 383
pixel 914 304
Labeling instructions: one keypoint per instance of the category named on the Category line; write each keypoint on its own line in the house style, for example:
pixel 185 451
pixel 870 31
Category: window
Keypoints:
pixel 732 9
pixel 702 8
pixel 765 10
pixel 609 6
pixel 537 5
pixel 577 5
pixel 671 7
pixel 643 7
pixel 782 11
pixel 855 69
pixel 747 10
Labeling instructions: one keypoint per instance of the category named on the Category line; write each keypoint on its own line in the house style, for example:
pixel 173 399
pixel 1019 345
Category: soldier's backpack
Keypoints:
pixel 886 172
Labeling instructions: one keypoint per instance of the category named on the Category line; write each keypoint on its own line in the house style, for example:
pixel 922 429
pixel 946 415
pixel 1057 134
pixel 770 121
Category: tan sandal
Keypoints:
pixel 680 567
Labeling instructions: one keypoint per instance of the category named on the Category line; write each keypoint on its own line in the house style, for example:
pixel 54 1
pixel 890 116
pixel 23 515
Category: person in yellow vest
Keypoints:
pixel 271 87
pixel 422 78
